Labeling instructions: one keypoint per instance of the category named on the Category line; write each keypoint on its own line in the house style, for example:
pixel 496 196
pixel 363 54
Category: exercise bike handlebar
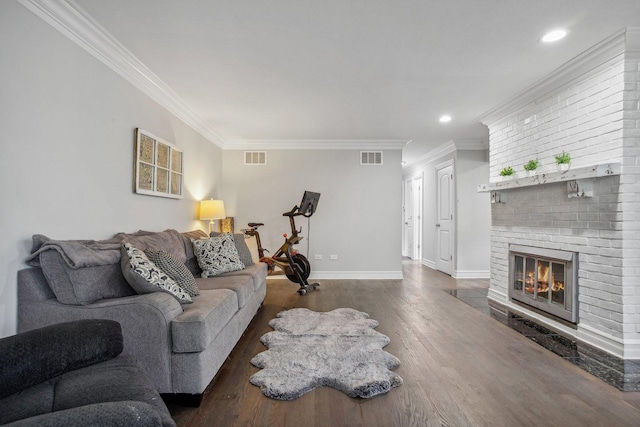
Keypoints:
pixel 294 212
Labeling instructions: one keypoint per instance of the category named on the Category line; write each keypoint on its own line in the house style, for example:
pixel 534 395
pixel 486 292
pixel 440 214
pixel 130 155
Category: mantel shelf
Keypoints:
pixel 586 172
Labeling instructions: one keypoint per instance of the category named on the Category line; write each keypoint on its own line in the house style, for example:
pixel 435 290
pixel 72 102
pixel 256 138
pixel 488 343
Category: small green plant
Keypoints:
pixel 531 165
pixel 508 171
pixel 563 159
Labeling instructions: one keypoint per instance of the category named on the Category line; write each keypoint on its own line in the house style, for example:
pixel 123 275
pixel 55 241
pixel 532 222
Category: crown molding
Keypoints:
pixel 633 39
pixel 441 150
pixel 444 149
pixel 471 145
pixel 586 63
pixel 68 18
pixel 316 144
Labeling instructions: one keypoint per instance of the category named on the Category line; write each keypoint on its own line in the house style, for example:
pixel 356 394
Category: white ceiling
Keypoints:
pixel 345 70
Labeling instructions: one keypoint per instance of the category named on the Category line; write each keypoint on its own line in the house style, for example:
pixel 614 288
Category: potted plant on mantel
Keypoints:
pixel 507 172
pixel 531 167
pixel 563 160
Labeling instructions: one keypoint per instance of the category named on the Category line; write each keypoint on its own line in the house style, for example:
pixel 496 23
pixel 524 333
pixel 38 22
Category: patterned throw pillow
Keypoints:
pixel 145 277
pixel 174 269
pixel 243 250
pixel 217 255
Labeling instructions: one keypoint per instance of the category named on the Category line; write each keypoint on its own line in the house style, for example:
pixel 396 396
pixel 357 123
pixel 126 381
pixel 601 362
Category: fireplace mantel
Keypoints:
pixel 586 172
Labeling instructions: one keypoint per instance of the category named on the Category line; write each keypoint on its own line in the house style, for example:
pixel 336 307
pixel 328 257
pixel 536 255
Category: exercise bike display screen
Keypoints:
pixel 309 203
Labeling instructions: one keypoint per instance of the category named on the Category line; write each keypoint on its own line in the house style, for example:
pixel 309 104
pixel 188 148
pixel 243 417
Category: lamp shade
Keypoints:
pixel 212 209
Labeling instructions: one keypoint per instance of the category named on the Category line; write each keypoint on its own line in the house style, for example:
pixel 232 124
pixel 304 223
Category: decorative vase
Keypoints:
pixel 563 166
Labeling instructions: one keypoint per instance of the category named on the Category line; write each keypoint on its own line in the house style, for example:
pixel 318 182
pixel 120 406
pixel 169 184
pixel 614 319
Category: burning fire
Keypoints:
pixel 543 281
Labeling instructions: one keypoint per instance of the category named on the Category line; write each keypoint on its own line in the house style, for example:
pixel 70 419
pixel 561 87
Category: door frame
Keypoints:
pixel 453 205
pixel 418 214
pixel 406 206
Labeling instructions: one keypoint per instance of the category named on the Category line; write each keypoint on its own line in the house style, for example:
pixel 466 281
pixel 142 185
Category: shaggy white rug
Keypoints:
pixel 339 349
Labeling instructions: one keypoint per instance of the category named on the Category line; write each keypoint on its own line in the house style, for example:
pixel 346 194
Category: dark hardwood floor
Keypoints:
pixel 460 367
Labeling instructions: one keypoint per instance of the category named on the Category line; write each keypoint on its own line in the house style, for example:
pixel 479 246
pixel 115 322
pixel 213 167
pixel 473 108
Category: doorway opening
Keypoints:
pixel 412 216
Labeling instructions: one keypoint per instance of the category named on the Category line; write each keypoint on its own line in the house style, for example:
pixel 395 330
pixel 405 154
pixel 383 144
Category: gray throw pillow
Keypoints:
pixel 217 255
pixel 174 269
pixel 145 277
pixel 243 250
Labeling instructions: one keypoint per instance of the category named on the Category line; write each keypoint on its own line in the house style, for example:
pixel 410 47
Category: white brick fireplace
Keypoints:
pixel 589 108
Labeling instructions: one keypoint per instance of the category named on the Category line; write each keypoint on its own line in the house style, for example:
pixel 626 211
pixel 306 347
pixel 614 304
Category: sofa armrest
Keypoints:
pixel 125 413
pixel 29 358
pixel 145 320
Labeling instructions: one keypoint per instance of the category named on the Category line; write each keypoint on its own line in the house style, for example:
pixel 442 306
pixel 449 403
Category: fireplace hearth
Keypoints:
pixel 545 279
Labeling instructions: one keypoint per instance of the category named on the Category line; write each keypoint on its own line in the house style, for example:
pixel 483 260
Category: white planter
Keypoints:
pixel 563 166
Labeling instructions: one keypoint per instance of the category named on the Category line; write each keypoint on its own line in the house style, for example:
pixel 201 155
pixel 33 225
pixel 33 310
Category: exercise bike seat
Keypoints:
pixel 255 224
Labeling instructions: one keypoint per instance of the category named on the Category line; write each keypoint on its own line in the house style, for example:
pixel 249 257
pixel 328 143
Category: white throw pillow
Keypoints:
pixel 217 255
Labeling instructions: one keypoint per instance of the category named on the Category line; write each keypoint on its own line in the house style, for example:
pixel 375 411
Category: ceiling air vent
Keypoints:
pixel 371 157
pixel 255 157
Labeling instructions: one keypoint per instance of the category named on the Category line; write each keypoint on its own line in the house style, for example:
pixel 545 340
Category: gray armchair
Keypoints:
pixel 72 374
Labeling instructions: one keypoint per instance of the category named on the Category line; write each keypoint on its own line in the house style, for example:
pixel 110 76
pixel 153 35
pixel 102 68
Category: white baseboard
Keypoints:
pixel 428 263
pixel 357 275
pixel 601 340
pixel 496 296
pixel 471 274
pixel 349 275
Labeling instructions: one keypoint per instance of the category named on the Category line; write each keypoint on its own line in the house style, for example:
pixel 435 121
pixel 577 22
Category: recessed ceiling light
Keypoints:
pixel 445 119
pixel 554 36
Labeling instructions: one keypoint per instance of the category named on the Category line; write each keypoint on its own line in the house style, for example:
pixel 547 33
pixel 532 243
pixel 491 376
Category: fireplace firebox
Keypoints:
pixel 545 279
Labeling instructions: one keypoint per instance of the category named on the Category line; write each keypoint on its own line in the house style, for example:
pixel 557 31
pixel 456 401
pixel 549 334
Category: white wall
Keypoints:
pixel 67 136
pixel 358 217
pixel 474 214
pixel 472 211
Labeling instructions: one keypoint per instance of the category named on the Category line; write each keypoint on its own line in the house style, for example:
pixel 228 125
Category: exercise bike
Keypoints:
pixel 287 259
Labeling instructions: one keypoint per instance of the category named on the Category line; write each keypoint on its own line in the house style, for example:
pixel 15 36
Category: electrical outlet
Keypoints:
pixel 318 256
pixel 334 257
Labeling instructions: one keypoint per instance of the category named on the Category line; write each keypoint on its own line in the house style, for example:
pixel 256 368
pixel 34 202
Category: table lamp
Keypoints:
pixel 211 210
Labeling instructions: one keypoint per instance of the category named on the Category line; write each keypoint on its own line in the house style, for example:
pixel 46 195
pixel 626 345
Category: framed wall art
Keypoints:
pixel 157 166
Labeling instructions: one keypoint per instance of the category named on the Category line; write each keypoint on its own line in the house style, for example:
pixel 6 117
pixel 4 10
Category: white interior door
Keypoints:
pixel 444 226
pixel 408 220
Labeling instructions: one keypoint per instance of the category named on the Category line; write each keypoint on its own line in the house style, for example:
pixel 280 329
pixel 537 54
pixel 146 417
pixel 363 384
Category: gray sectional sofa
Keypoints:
pixel 180 346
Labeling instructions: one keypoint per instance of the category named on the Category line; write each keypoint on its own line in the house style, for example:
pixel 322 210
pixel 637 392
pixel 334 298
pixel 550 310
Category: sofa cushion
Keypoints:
pixel 217 255
pixel 123 413
pixel 145 277
pixel 35 356
pixel 30 402
pixel 119 379
pixel 174 269
pixel 242 285
pixel 257 271
pixel 85 285
pixel 199 324
pixel 241 246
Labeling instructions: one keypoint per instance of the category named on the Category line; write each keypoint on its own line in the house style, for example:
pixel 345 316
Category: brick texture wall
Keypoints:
pixel 584 119
pixel 543 216
pixel 630 197
pixel 595 118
